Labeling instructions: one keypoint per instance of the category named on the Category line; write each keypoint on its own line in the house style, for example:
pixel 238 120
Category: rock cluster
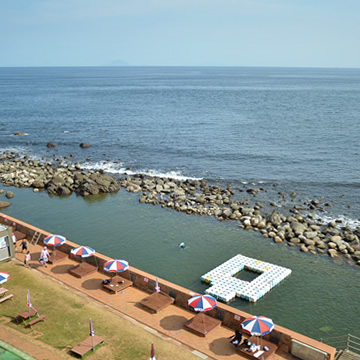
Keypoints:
pixel 58 180
pixel 191 197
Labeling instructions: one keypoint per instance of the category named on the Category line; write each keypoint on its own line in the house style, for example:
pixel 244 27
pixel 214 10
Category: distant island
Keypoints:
pixel 118 63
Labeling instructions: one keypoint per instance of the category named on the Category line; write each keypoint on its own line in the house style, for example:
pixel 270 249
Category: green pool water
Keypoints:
pixel 319 299
pixel 8 352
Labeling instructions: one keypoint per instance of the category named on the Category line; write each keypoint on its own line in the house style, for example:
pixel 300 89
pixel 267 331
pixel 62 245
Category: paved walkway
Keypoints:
pixel 167 324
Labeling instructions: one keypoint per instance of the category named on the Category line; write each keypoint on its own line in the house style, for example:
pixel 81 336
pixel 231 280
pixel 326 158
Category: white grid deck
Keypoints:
pixel 225 287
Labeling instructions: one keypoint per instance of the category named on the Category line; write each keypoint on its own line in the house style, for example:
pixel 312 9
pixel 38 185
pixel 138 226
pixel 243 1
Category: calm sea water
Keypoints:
pixel 294 128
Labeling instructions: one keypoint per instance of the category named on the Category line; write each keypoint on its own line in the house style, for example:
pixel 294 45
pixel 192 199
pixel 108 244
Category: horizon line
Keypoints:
pixel 180 66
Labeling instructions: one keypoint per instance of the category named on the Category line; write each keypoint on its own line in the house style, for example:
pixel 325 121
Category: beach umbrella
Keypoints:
pixel 257 325
pixel 92 334
pixel 152 352
pixel 55 240
pixel 116 265
pixel 83 251
pixel 202 302
pixel 4 277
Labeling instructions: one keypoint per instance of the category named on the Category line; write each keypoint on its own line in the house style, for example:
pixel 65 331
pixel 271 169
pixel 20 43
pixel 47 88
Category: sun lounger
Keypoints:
pixel 57 256
pixel 19 235
pixel 36 320
pixel 156 302
pixel 84 347
pixel 201 324
pixel 82 270
pixel 8 297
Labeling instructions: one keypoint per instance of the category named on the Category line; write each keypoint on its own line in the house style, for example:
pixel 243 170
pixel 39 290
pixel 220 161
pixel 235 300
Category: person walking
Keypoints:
pixel 44 256
pixel 27 259
pixel 24 246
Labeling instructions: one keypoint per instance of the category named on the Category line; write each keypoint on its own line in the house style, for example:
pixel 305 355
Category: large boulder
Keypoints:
pixel 4 204
pixel 275 219
pixel 297 228
pixel 38 183
pixel 84 145
pixel 9 194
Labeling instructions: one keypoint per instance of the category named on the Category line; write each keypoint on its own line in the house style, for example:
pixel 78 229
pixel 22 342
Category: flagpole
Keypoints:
pixel 92 336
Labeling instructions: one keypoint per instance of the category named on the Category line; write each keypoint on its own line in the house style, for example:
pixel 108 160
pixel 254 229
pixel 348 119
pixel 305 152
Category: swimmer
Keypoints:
pixel 182 245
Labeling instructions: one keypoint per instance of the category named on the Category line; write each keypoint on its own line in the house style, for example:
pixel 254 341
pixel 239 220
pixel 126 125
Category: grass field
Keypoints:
pixel 67 319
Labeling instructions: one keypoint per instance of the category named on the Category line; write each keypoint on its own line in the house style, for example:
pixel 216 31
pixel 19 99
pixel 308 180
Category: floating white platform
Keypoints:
pixel 225 287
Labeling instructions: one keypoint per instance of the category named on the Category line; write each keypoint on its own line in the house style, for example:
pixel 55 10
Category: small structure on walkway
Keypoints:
pixel 225 287
pixel 7 250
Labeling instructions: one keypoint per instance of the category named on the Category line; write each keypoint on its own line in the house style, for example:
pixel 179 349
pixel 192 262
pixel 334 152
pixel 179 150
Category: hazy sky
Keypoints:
pixel 318 33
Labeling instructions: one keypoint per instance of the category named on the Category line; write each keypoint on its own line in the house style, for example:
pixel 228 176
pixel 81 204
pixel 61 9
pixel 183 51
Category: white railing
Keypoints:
pixel 346 342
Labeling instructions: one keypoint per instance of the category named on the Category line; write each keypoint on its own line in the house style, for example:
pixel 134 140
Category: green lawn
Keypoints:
pixel 67 319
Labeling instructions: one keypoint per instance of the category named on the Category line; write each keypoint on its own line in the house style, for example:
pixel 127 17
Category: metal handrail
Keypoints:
pixel 345 342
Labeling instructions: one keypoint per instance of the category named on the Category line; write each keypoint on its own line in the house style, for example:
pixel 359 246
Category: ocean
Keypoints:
pixel 279 129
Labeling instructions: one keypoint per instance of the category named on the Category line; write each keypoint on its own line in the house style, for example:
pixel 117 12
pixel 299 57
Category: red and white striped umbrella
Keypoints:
pixel 116 265
pixel 202 302
pixel 55 240
pixel 83 251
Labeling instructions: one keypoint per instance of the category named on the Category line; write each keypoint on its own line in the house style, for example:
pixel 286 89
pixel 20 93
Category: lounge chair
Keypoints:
pixel 19 235
pixel 156 302
pixel 201 324
pixel 82 270
pixel 85 346
pixel 57 256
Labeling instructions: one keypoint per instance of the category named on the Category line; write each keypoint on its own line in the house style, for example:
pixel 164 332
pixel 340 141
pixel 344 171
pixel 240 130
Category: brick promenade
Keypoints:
pixel 168 323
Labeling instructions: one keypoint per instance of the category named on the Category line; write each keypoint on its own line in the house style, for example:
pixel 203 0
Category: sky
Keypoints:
pixel 290 33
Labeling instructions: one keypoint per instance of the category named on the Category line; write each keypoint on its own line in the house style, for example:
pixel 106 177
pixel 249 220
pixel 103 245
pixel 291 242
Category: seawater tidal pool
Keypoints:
pixel 319 299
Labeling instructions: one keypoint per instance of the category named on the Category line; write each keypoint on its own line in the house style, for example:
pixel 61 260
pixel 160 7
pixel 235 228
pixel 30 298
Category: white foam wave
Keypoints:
pixel 15 149
pixel 345 221
pixel 118 168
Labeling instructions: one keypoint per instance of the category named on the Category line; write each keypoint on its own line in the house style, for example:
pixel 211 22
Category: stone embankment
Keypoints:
pixel 191 197
pixel 56 180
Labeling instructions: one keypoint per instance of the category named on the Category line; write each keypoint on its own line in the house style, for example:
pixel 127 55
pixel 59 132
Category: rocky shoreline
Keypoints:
pixel 191 197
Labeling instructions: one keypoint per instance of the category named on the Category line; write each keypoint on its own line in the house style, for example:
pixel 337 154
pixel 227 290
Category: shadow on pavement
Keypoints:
pixel 173 322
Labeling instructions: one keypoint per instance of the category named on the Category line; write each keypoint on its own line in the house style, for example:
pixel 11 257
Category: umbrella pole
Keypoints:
pixel 202 314
pixel 92 342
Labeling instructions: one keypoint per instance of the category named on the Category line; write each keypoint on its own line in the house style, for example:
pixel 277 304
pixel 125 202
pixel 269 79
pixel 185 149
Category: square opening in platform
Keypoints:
pixel 247 275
